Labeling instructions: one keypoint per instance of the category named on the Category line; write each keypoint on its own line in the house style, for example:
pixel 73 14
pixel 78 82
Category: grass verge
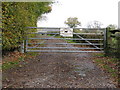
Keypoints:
pixel 13 59
pixel 108 64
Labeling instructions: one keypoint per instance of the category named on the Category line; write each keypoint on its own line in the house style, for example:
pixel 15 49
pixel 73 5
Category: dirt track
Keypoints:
pixel 56 70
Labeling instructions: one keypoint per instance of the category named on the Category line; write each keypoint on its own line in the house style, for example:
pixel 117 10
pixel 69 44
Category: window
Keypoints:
pixel 66 31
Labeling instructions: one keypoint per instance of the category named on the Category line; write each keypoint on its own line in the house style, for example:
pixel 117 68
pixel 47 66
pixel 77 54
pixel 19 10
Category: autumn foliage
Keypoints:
pixel 16 16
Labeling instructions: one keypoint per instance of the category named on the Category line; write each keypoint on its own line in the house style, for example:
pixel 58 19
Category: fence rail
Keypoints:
pixel 65 27
pixel 64 51
pixel 68 43
pixel 63 39
pixel 73 33
pixel 64 48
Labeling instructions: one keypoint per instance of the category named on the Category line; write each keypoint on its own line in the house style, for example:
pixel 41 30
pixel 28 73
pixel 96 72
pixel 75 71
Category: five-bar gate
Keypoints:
pixel 48 39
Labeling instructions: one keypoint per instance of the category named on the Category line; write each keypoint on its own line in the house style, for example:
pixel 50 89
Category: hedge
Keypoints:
pixel 16 16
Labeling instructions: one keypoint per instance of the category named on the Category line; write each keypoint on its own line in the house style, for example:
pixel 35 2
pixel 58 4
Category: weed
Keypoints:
pixel 9 65
pixel 108 64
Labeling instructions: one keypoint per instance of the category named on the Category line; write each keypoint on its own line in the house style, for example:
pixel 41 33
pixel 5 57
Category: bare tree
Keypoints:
pixel 94 24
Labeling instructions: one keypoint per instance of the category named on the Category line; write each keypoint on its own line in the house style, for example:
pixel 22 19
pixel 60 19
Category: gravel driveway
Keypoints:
pixel 58 70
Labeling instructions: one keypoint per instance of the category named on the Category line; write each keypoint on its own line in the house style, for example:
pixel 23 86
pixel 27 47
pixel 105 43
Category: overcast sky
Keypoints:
pixel 105 11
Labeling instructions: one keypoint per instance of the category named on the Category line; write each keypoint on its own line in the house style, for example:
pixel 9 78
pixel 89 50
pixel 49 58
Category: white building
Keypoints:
pixel 66 32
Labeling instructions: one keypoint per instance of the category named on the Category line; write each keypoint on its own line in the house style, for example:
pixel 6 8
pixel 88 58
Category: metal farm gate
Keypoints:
pixel 48 39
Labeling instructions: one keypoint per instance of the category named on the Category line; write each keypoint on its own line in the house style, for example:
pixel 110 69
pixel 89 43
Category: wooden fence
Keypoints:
pixel 113 43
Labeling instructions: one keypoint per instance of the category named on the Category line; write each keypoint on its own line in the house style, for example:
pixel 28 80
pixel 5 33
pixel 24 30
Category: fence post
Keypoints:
pixel 22 47
pixel 26 45
pixel 105 41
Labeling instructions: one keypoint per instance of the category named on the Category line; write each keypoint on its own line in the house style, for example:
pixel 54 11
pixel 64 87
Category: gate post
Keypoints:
pixel 22 47
pixel 105 41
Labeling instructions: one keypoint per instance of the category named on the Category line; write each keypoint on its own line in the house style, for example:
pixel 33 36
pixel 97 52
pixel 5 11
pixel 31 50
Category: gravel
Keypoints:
pixel 58 70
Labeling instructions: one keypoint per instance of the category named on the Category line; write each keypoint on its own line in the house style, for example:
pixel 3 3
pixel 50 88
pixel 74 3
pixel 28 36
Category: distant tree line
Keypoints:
pixel 73 22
